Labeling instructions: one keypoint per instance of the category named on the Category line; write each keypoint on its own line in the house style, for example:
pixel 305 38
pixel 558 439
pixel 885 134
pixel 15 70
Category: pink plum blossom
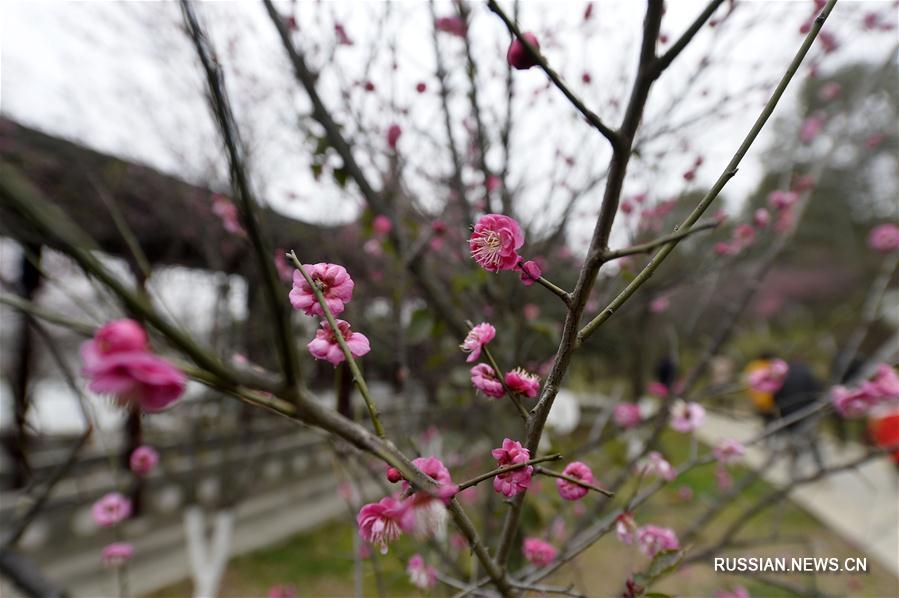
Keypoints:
pixel 117 363
pixel 119 336
pixel 117 554
pixel 484 379
pixel 111 509
pixel 729 451
pixel 686 417
pixel 626 528
pixel 393 135
pixel 659 304
pixel 812 127
pixel 656 464
pixel 781 200
pixel 475 340
pixel 884 238
pixel 384 521
pixel 885 382
pixel 143 460
pixel 531 311
pixel 495 242
pixel 538 552
pixel 657 389
pixel 653 539
pixel 421 575
pixel 530 272
pixel 325 344
pixel 626 415
pixel 516 481
pixel 523 382
pixel 437 471
pixel 570 490
pixel 381 225
pixel 768 379
pixel 761 218
pixel 851 402
pixel 333 281
pixel 744 234
pixel 518 55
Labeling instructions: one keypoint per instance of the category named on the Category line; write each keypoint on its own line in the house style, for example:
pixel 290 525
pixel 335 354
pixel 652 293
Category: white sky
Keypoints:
pixel 121 77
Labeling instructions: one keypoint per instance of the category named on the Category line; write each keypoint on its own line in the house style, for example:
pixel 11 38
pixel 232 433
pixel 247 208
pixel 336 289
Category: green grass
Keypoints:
pixel 320 563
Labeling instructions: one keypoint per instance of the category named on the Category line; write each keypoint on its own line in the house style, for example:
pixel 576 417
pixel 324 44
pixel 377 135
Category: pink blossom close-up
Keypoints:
pixel 484 379
pixel 117 554
pixel 382 522
pixel 686 417
pixel 518 55
pixel 729 451
pixel 571 490
pixel 333 281
pixel 539 553
pixel 523 382
pixel 495 242
pixel 627 415
pixel 884 238
pixel 516 481
pixel 530 273
pixel 653 539
pixel 111 509
pixel 475 340
pixel 132 377
pixel 656 464
pixel 421 575
pixel 326 346
pixel 143 460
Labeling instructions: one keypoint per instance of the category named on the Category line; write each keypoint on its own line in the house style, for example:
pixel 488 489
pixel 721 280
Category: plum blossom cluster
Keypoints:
pixel 336 287
pixel 420 511
pixel 484 378
pixel 118 362
pixel 881 388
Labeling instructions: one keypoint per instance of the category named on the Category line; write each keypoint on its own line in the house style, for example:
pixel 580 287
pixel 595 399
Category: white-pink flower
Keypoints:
pixel 626 528
pixel 782 200
pixel 477 337
pixel 729 451
pixel 656 464
pixel 686 417
pixel 325 344
pixel 761 218
pixel 111 509
pixel 333 281
pixel 653 539
pixel 383 522
pixel 117 554
pixel 421 575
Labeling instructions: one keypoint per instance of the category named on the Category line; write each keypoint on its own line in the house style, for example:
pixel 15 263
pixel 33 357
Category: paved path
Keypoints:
pixel 862 505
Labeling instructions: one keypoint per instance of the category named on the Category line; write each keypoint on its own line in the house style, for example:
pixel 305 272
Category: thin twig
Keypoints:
pixel 591 116
pixel 561 293
pixel 573 480
pixel 358 378
pixel 614 254
pixel 506 468
pixel 499 376
pixel 665 60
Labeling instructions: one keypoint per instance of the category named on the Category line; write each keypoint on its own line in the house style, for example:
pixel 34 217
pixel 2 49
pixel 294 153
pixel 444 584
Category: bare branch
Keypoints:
pixel 665 60
pixel 573 480
pixel 650 245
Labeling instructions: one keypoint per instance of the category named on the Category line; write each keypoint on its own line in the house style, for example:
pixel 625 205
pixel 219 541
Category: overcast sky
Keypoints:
pixel 122 77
